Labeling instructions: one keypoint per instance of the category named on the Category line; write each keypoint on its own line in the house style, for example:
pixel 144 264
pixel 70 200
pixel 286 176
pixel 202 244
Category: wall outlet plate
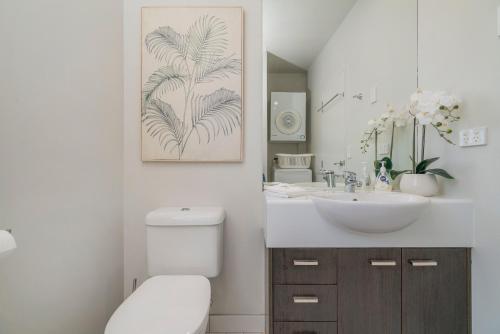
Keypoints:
pixel 473 137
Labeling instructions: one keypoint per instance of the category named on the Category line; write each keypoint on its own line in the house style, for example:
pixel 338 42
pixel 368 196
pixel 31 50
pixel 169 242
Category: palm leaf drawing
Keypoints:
pixel 166 78
pixel 189 59
pixel 167 45
pixel 217 112
pixel 162 123
pixel 218 68
pixel 207 39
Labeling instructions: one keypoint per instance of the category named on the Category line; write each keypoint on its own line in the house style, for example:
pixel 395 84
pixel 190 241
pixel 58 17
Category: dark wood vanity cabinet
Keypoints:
pixel 369 284
pixel 370 291
pixel 436 291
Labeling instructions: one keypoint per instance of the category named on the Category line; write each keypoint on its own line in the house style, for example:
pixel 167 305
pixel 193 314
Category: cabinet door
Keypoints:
pixel 369 289
pixel 435 291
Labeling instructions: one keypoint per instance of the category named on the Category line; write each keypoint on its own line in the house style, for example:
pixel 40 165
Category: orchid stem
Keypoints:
pixel 392 139
pixel 423 143
pixel 413 158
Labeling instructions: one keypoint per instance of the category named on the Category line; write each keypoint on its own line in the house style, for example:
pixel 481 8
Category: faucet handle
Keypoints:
pixel 341 163
pixel 348 175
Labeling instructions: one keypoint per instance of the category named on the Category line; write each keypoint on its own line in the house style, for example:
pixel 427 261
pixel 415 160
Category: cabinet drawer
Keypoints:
pixel 304 266
pixel 305 303
pixel 305 328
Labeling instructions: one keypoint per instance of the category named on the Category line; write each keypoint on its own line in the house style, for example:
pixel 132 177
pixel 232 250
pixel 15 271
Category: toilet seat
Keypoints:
pixel 164 304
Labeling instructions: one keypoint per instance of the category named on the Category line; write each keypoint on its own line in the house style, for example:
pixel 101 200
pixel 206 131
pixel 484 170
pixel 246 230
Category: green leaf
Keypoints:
pixel 422 166
pixel 217 112
pixel 167 78
pixel 161 122
pixel 165 44
pixel 440 172
pixel 207 39
pixel 396 173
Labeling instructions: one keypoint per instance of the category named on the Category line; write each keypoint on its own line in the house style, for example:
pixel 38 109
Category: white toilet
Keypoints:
pixel 184 247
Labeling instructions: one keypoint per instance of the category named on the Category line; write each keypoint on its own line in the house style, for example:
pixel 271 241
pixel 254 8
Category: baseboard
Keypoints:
pixel 236 324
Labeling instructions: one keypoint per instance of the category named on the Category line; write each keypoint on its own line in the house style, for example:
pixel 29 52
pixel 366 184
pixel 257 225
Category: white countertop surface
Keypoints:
pixel 294 222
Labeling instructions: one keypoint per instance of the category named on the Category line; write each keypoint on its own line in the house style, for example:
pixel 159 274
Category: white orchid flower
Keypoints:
pixel 424 118
pixel 400 119
pixel 438 118
pixel 448 101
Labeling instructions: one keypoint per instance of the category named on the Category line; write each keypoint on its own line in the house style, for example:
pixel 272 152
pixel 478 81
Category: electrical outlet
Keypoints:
pixel 473 137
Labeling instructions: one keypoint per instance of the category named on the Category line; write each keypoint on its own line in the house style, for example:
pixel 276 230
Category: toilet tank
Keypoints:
pixel 185 241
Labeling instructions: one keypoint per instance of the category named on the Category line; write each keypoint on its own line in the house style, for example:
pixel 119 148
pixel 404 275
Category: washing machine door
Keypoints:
pixel 288 122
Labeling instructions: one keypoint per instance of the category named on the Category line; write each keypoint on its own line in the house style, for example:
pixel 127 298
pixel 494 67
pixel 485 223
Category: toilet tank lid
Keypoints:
pixel 186 216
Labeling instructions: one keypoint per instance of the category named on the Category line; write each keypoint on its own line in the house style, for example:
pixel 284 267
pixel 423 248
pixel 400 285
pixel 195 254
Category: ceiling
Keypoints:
pixel 297 30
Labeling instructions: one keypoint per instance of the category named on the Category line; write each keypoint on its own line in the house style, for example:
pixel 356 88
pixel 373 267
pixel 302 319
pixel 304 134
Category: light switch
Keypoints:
pixel 373 95
pixel 498 21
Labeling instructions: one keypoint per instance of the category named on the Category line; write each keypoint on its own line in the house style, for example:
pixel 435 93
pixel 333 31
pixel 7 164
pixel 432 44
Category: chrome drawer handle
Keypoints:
pixel 305 300
pixel 424 263
pixel 299 263
pixel 383 263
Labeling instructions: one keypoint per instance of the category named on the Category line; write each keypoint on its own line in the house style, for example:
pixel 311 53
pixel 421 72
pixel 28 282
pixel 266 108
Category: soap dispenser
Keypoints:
pixel 384 182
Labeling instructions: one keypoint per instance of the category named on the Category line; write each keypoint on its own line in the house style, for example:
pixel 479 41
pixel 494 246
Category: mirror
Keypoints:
pixel 332 66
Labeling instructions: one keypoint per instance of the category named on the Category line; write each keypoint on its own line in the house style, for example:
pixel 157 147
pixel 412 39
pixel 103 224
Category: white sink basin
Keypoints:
pixel 370 212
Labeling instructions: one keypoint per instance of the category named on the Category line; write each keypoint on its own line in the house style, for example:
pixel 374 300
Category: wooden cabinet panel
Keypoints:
pixel 305 303
pixel 369 293
pixel 304 266
pixel 435 291
pixel 305 328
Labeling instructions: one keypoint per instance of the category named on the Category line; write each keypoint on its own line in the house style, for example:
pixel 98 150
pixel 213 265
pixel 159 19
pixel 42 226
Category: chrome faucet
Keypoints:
pixel 329 176
pixel 351 182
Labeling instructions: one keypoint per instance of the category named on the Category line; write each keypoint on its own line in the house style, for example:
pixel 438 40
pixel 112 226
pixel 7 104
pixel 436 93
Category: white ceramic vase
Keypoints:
pixel 419 184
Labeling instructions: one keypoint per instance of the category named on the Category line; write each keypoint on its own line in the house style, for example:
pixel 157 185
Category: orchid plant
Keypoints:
pixel 391 119
pixel 438 110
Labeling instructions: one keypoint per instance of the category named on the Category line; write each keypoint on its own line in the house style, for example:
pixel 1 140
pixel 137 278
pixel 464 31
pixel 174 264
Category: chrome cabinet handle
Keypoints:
pixel 305 300
pixel 299 263
pixel 383 263
pixel 423 263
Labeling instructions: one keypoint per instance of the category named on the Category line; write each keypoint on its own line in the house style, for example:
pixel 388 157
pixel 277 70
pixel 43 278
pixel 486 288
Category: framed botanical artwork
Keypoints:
pixel 192 103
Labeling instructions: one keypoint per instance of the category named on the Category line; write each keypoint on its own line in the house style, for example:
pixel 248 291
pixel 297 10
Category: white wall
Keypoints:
pixel 61 165
pixel 460 52
pixel 375 46
pixel 234 186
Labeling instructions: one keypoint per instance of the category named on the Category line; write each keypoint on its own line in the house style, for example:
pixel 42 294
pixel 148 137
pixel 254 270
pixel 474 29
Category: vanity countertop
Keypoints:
pixel 295 222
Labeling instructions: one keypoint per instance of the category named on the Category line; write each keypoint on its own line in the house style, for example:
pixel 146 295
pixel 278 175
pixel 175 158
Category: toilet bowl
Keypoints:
pixel 184 247
pixel 164 304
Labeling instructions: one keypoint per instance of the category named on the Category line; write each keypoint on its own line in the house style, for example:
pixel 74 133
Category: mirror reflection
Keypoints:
pixel 335 68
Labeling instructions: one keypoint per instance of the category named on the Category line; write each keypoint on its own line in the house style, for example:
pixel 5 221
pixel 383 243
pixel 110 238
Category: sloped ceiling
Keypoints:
pixel 276 64
pixel 297 30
